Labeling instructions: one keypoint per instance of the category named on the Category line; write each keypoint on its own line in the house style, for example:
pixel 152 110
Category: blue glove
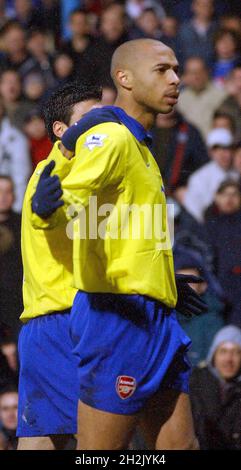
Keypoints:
pixel 46 199
pixel 189 303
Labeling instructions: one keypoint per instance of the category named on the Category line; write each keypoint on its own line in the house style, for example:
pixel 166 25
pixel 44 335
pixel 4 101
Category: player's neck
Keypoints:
pixel 146 118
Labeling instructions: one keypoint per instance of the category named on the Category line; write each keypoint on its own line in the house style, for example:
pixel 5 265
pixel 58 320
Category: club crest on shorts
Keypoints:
pixel 125 386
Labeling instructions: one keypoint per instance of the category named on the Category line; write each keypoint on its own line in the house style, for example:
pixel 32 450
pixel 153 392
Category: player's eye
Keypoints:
pixel 161 70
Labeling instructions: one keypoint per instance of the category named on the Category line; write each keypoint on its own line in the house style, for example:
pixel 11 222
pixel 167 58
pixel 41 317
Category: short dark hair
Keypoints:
pixel 9 70
pixel 221 33
pixel 10 388
pixel 78 11
pixel 34 32
pixel 11 24
pixel 59 106
pixel 222 114
pixel 227 184
pixel 7 340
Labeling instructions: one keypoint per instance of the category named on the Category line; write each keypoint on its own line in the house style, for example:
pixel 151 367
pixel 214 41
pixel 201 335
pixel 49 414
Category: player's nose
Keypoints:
pixel 173 78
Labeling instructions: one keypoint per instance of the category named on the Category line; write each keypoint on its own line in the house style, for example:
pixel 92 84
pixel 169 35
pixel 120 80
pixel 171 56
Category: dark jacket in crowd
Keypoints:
pixel 27 66
pixel 10 438
pixel 216 403
pixel 7 375
pixel 100 54
pixel 192 44
pixel 10 272
pixel 224 235
pixel 217 415
pixel 179 151
pixel 83 64
pixel 202 328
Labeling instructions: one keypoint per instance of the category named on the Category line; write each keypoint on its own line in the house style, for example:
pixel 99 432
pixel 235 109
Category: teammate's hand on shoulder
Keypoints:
pixel 189 303
pixel 46 199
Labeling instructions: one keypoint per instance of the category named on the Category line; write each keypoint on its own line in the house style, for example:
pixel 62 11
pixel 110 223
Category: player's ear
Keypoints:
pixel 124 78
pixel 59 128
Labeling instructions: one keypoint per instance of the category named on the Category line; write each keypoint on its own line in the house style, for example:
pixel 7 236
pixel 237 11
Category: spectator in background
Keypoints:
pixel 203 184
pixel 179 149
pixel 51 11
pixel 17 57
pixel 7 375
pixel 108 95
pixel 237 158
pixel 227 49
pixel 63 68
pixel 14 157
pixel 169 26
pixel 231 22
pixel 232 104
pixel 8 416
pixel 195 37
pixel 200 98
pixel 34 88
pixel 223 229
pixel 215 392
pixel 3 444
pixel 134 8
pixel 78 47
pixel 37 46
pixel 65 10
pixel 15 105
pixel 201 329
pixel 224 121
pixel 10 258
pixel 9 350
pixel 113 33
pixel 149 25
pixel 3 13
pixel 40 145
pixel 28 15
pixel 180 9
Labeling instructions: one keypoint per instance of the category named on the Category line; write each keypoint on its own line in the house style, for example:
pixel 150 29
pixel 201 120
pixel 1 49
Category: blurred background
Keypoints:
pixel 47 43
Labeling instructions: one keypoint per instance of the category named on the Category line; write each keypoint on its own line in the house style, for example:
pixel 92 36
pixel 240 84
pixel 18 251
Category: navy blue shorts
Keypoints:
pixel 127 348
pixel 48 382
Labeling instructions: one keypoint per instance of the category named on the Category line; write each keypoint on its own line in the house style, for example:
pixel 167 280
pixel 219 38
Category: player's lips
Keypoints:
pixel 172 98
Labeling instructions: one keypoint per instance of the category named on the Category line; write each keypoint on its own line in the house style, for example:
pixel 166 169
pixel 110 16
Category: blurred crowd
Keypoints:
pixel 47 43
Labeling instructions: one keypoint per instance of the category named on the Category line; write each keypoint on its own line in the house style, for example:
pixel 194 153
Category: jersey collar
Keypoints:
pixel 132 124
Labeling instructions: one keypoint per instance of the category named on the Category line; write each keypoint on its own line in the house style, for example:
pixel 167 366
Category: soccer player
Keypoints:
pixel 131 351
pixel 48 390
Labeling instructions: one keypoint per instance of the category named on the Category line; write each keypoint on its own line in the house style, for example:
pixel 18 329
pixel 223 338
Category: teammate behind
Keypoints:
pixel 48 390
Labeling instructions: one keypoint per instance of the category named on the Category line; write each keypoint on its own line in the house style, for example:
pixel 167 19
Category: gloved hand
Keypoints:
pixel 46 199
pixel 189 303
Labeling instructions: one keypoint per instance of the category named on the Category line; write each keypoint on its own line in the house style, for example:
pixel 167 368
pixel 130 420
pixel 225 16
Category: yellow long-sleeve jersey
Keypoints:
pixel 118 248
pixel 46 251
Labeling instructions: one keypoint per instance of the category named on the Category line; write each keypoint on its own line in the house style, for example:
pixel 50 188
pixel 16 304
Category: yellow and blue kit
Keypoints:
pixel 122 328
pixel 126 337
pixel 48 383
pixel 46 253
pixel 117 167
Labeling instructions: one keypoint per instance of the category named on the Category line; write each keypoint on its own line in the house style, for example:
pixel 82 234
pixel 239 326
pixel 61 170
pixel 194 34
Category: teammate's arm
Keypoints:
pixel 44 210
pixel 100 161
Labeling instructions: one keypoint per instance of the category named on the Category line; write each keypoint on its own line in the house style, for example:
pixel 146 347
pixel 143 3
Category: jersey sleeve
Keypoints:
pixel 91 119
pixel 99 163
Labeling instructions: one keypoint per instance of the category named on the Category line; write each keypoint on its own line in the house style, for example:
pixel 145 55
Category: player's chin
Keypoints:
pixel 166 109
